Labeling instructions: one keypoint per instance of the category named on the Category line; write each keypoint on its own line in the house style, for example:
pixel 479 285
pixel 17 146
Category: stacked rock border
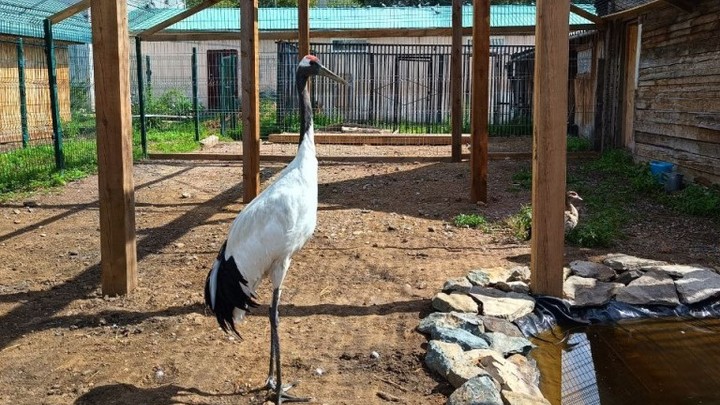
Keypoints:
pixel 477 347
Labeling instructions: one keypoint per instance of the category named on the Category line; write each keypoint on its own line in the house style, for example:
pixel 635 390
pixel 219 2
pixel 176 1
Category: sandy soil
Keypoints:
pixel 382 249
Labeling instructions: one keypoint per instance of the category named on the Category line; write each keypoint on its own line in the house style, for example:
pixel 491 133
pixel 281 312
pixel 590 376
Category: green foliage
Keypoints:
pixel 522 180
pixel 81 126
pixel 601 227
pixel 172 102
pixel 578 144
pixel 520 222
pixel 33 167
pixel 471 221
pixel 518 126
pixel 695 200
pixel 79 99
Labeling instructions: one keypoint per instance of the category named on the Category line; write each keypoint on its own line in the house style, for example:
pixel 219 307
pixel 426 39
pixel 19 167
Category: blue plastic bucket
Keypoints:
pixel 658 168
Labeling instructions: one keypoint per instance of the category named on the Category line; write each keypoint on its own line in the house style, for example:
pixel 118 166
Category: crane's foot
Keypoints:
pixel 272 395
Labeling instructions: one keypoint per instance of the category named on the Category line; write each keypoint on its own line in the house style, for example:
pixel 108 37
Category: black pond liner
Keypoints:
pixel 551 311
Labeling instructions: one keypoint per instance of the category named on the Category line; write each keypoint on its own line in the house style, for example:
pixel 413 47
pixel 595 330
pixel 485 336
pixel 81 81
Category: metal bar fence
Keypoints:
pixel 406 88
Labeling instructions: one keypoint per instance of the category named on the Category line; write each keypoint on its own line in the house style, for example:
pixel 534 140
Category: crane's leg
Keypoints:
pixel 281 394
pixel 277 391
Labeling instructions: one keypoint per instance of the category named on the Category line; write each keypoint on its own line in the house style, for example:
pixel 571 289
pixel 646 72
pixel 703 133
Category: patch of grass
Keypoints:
pixel 695 200
pixel 472 221
pixel 578 144
pixel 32 168
pixel 522 180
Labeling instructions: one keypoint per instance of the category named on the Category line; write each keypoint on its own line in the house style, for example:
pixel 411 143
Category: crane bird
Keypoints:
pixel 571 214
pixel 265 235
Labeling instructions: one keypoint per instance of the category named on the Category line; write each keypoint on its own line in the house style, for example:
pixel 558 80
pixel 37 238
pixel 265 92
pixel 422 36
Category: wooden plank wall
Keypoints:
pixel 38 95
pixel 678 97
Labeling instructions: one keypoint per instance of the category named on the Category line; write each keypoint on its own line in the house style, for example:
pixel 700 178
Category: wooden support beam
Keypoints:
pixel 303 28
pixel 170 21
pixel 292 35
pixel 683 5
pixel 480 101
pixel 250 75
pixel 550 102
pixel 456 96
pixel 114 145
pixel 634 11
pixel 587 15
pixel 69 12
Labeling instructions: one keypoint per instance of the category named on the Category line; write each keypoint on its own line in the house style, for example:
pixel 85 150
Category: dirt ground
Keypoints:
pixel 382 249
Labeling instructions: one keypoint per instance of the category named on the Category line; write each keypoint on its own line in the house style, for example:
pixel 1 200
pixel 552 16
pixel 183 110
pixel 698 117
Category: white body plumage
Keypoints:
pixel 272 227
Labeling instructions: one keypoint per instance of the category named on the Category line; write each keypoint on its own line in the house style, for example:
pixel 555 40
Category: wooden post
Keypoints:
pixel 456 116
pixel 196 106
pixel 550 101
pixel 54 98
pixel 250 70
pixel 141 95
pixel 480 102
pixel 114 145
pixel 303 28
pixel 23 94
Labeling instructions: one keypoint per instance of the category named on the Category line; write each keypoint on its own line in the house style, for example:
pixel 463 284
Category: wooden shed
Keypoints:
pixel 662 85
pixel 37 94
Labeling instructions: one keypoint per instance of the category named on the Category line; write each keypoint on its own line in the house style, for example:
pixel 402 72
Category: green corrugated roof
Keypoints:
pixel 19 20
pixel 279 19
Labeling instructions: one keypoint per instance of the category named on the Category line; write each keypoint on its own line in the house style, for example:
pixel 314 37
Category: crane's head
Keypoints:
pixel 572 195
pixel 310 66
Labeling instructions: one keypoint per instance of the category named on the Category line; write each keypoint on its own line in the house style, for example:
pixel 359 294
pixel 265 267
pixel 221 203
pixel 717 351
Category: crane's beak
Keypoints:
pixel 329 74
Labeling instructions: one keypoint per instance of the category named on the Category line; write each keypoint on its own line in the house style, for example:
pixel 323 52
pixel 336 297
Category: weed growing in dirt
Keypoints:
pixel 472 221
pixel 520 223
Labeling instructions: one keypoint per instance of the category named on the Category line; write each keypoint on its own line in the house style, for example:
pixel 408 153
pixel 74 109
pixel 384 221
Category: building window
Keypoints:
pixel 584 62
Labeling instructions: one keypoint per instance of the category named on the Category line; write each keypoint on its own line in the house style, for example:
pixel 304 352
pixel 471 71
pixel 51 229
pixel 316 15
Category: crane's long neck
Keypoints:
pixel 306 114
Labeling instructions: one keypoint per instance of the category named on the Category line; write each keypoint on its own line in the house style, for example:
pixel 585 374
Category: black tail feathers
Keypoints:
pixel 228 292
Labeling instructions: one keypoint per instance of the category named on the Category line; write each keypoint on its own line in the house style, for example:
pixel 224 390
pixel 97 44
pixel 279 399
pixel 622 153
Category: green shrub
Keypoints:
pixel 521 222
pixel 471 221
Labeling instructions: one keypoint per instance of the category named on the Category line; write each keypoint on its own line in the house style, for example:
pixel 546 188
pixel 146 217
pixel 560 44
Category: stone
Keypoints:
pixel 516 398
pixel 479 278
pixel 677 270
pixel 457 284
pixel 492 324
pixel 465 339
pixel 210 141
pixel 449 361
pixel 566 272
pixel 519 273
pixel 653 288
pixel 505 372
pixel 582 292
pixel 472 323
pixel 513 286
pixel 507 345
pixel 480 390
pixel 509 306
pixel 527 366
pixel 454 302
pixel 627 277
pixel 698 285
pixel 623 262
pixel 592 270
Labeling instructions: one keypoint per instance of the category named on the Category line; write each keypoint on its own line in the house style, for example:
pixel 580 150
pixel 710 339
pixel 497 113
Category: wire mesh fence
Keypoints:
pixel 399 82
